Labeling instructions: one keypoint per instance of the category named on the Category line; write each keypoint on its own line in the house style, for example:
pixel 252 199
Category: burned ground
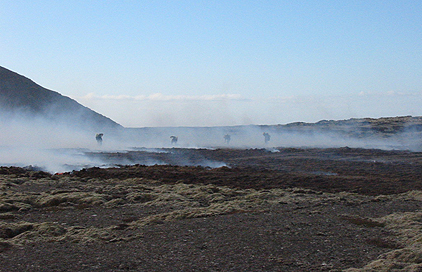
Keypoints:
pixel 266 210
pixel 363 171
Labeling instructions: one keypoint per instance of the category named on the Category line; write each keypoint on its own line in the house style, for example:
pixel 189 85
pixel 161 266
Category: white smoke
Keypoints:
pixel 56 148
pixel 49 145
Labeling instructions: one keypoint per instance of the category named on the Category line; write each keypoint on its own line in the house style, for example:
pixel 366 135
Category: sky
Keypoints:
pixel 221 63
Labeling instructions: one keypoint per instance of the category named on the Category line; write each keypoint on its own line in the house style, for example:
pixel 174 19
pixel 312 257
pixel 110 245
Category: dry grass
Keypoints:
pixel 191 201
pixel 176 201
pixel 408 227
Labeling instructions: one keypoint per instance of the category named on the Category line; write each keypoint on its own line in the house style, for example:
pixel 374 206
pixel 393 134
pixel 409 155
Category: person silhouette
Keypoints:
pixel 99 138
pixel 173 140
pixel 267 137
pixel 227 138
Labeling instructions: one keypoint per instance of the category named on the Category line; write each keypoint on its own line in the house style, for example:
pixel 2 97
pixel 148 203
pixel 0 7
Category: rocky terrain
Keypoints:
pixel 361 127
pixel 284 209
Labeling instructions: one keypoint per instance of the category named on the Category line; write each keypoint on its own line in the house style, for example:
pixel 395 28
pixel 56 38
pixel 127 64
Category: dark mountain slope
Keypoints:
pixel 20 96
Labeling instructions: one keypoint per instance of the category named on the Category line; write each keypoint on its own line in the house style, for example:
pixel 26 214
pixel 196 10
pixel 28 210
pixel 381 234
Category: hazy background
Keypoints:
pixel 212 63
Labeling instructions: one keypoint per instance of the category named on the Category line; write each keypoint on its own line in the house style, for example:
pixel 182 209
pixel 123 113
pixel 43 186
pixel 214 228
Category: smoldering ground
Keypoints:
pixel 56 147
pixel 280 136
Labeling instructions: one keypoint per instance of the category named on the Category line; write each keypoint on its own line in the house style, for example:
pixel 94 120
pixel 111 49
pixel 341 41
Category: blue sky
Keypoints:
pixel 209 63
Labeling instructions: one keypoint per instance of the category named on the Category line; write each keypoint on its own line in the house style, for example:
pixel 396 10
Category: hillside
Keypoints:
pixel 21 97
pixel 362 127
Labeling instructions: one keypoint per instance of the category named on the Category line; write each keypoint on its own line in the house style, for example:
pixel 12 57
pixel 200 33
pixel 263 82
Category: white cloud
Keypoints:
pixel 390 93
pixel 162 97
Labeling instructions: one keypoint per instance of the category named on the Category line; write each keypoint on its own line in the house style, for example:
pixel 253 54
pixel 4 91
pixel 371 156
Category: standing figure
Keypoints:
pixel 227 138
pixel 173 140
pixel 99 138
pixel 267 137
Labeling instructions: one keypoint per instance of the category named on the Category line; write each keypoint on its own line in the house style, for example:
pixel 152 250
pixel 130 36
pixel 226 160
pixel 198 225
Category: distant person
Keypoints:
pixel 267 137
pixel 99 138
pixel 173 140
pixel 227 138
